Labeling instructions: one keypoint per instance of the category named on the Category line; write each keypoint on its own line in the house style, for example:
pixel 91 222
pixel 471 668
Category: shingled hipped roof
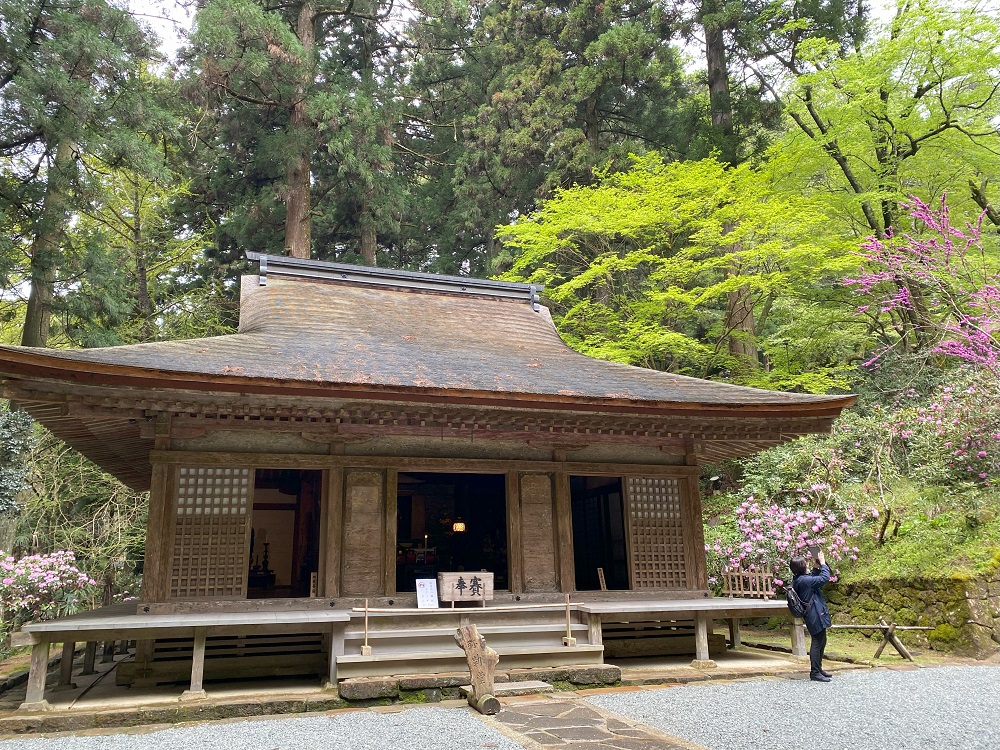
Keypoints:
pixel 298 336
pixel 321 332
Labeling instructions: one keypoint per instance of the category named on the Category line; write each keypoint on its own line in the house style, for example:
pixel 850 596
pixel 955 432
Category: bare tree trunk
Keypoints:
pixel 298 207
pixel 720 101
pixel 369 235
pixel 979 196
pixel 45 248
pixel 593 124
pixel 739 323
pixel 144 302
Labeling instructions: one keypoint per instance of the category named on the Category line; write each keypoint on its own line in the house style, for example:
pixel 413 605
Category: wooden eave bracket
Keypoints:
pixel 692 452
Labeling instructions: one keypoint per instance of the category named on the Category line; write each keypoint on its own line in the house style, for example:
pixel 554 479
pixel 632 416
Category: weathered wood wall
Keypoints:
pixel 358 533
pixel 364 533
pixel 538 553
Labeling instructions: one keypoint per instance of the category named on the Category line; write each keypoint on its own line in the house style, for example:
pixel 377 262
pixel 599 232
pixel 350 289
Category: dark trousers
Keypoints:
pixel 816 649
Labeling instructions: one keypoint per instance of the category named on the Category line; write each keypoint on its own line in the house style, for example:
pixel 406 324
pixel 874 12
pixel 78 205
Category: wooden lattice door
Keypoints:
pixel 211 533
pixel 656 533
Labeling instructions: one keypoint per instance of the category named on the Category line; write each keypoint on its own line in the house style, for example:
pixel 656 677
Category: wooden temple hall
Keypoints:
pixel 369 432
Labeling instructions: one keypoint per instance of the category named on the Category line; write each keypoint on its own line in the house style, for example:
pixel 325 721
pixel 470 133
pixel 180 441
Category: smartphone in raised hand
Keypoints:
pixel 814 550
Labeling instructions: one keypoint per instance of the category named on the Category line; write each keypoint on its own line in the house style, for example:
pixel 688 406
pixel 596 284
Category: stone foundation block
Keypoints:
pixel 369 688
pixel 585 674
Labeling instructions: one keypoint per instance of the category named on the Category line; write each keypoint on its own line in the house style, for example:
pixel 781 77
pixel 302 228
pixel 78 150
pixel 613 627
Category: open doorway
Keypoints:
pixel 599 533
pixel 284 540
pixel 450 522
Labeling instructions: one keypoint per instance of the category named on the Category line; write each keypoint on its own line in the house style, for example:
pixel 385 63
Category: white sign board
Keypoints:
pixel 427 593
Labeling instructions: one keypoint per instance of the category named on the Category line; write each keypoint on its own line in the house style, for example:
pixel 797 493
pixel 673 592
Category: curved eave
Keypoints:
pixel 36 365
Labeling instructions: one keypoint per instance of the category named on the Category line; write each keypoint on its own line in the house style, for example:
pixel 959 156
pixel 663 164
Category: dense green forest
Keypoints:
pixel 790 194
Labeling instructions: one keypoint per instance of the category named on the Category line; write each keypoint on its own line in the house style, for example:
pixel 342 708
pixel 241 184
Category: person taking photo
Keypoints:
pixel 817 616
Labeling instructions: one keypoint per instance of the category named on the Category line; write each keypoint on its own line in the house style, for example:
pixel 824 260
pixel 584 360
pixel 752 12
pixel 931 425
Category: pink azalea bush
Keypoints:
pixel 40 587
pixel 954 436
pixel 769 535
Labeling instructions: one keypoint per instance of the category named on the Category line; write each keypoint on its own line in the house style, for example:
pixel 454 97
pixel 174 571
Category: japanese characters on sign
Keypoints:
pixel 470 586
pixel 427 593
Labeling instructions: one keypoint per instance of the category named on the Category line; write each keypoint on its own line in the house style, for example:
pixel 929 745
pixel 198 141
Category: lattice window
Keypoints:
pixel 210 535
pixel 657 533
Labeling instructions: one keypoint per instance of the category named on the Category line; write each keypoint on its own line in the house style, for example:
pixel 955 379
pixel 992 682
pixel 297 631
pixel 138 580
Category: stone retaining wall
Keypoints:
pixel 965 613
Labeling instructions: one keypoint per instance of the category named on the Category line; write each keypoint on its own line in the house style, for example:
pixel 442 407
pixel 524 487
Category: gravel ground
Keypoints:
pixel 943 708
pixel 412 729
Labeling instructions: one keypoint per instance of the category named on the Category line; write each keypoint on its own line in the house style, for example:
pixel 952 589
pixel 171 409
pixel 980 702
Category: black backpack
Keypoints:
pixel 796 606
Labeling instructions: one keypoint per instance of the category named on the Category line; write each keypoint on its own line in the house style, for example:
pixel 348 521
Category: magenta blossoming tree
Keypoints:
pixel 932 290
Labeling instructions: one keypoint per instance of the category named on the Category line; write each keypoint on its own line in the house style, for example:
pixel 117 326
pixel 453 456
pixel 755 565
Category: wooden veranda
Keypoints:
pixel 402 640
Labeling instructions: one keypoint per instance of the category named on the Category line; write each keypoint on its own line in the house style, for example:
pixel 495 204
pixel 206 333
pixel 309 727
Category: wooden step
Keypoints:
pixel 416 636
pixel 453 660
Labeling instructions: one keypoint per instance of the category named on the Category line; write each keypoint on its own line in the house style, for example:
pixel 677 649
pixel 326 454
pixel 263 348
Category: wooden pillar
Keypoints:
pixel 34 698
pixel 694 531
pixel 197 665
pixel 89 657
pixel 159 535
pixel 734 633
pixel 334 510
pixel 798 640
pixel 702 659
pixel 595 633
pixel 389 545
pixel 108 654
pixel 515 558
pixel 563 509
pixel 66 666
pixel 337 636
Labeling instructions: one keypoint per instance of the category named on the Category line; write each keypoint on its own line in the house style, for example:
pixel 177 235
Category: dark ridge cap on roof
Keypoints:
pixel 318 270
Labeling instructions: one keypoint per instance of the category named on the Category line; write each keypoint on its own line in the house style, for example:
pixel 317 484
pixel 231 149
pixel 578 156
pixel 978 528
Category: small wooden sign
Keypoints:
pixel 427 593
pixel 471 586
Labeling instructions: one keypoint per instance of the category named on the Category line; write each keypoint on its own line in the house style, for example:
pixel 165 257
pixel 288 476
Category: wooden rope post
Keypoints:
pixel 366 650
pixel 889 636
pixel 568 639
pixel 483 662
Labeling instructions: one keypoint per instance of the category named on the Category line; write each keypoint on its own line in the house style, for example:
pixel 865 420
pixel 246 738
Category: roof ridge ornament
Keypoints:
pixel 385 277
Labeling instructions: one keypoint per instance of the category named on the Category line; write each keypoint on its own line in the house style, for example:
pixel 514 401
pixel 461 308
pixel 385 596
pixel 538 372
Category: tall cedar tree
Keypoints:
pixel 71 79
pixel 298 108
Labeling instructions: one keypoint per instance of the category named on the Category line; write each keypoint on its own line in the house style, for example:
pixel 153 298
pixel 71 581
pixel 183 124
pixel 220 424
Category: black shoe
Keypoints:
pixel 825 673
pixel 819 677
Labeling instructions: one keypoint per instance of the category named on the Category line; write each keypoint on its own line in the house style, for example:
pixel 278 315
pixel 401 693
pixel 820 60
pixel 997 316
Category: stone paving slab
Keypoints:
pixel 573 723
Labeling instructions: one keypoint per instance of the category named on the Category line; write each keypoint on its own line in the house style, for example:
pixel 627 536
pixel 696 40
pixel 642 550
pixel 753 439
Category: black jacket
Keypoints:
pixel 808 587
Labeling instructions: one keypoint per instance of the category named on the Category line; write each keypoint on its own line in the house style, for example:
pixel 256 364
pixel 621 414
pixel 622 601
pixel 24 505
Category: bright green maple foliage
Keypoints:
pixel 913 110
pixel 638 268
